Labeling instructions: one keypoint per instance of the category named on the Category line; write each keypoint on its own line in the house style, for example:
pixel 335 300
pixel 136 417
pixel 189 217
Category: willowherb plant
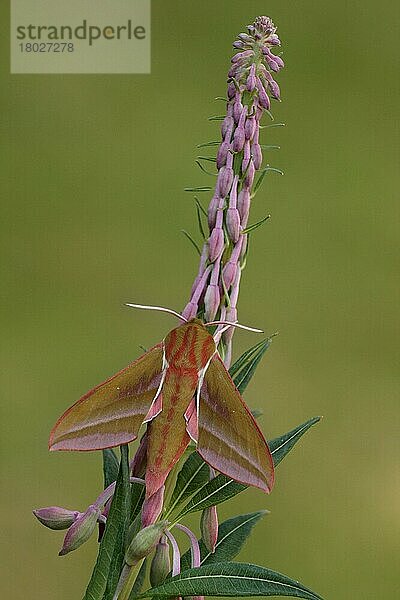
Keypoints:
pixel 200 445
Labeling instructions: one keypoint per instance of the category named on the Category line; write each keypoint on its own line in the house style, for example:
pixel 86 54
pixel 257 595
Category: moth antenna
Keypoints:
pixel 233 324
pixel 160 308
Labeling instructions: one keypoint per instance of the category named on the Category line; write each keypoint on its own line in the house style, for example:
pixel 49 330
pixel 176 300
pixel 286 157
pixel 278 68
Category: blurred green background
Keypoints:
pixel 92 176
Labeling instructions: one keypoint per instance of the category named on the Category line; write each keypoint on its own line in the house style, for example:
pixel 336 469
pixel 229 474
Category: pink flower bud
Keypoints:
pixel 215 243
pixel 237 110
pixel 81 530
pixel 263 99
pixel 212 301
pixel 212 211
pixel 249 128
pixel 249 179
pixel 279 61
pixel 274 40
pixel 224 181
pixel 245 37
pixel 222 154
pixel 234 70
pixel 190 310
pixel 229 273
pixel 243 205
pixel 246 155
pixel 227 125
pixel 231 91
pixel 275 91
pixel 56 517
pixel 233 224
pixel 251 79
pixel 238 44
pixel 238 139
pixel 161 563
pixel 242 55
pixel 209 527
pixel 257 155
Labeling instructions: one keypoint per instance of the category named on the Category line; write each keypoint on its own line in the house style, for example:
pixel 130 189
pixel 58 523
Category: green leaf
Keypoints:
pixel 281 445
pixel 243 369
pixel 207 158
pixel 270 147
pixel 110 466
pixel 254 225
pixel 193 475
pixel 230 579
pixel 207 144
pixel 137 586
pixel 198 163
pixel 112 547
pixel 199 212
pixel 221 488
pixel 231 536
pixel 217 490
pixel 198 189
pixel 137 498
pixel 191 240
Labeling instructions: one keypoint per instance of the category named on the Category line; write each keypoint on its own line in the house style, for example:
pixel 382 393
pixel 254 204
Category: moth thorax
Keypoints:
pixel 189 346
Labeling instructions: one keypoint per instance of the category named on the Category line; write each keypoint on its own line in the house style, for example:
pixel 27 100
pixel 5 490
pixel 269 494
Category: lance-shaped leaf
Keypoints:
pixel 193 475
pixel 110 467
pixel 112 547
pixel 137 586
pixel 244 368
pixel 217 490
pixel 222 488
pixel 281 445
pixel 231 536
pixel 230 579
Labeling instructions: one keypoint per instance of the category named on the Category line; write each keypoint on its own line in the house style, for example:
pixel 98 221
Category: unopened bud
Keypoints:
pixel 243 205
pixel 215 243
pixel 212 301
pixel 249 179
pixel 274 40
pixel 81 530
pixel 275 91
pixel 56 517
pixel 222 154
pixel 190 310
pixel 224 181
pixel 209 527
pixel 251 79
pixel 144 542
pixel 227 124
pixel 237 109
pixel 249 127
pixel 242 55
pixel 229 273
pixel 278 61
pixel 233 224
pixel 257 155
pixel 212 211
pixel 239 138
pixel 263 98
pixel 161 563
